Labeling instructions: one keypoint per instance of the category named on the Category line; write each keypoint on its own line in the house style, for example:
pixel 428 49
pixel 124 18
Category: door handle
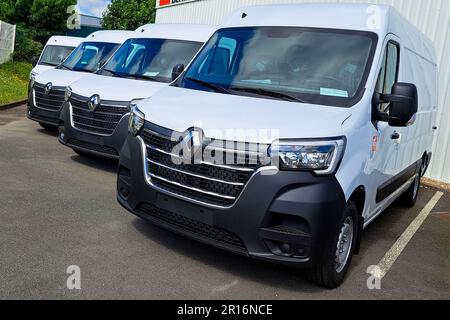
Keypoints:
pixel 395 136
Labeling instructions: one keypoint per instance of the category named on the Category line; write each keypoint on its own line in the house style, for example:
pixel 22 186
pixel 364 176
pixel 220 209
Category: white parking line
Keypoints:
pixel 391 256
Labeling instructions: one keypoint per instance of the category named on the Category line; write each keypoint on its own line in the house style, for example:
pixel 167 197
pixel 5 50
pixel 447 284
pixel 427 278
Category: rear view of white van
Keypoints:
pixel 293 128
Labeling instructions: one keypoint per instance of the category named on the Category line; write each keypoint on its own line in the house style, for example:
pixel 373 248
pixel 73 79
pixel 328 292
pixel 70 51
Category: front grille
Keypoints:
pixel 52 101
pixel 206 181
pixel 93 147
pixel 195 228
pixel 103 120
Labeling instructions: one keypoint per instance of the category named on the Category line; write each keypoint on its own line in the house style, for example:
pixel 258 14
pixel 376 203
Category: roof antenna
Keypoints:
pixel 244 15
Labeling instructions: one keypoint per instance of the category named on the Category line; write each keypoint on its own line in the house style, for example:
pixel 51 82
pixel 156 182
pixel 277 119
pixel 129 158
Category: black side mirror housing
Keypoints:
pixel 34 61
pixel 403 105
pixel 177 71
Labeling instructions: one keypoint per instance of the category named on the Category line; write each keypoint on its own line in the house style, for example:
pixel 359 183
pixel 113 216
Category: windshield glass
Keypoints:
pixel 54 55
pixel 150 59
pixel 319 66
pixel 89 56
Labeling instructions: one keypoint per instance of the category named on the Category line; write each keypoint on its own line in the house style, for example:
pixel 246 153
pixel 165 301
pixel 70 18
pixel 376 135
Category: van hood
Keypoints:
pixel 60 78
pixel 38 69
pixel 181 109
pixel 115 89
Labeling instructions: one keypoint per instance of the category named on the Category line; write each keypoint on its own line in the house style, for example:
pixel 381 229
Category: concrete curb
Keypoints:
pixel 13 104
pixel 436 184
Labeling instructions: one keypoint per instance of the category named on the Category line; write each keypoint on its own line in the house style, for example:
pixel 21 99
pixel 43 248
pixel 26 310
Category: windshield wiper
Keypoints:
pixel 65 67
pixel 213 86
pixel 114 73
pixel 142 77
pixel 49 64
pixel 270 93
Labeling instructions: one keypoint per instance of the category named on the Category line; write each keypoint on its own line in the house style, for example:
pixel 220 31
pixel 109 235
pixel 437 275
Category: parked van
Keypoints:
pixel 55 52
pixel 94 118
pixel 292 130
pixel 47 89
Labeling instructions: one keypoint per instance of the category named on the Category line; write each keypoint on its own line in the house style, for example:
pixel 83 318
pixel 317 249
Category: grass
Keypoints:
pixel 14 77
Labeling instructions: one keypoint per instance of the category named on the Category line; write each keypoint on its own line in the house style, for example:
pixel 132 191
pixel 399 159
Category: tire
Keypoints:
pixel 409 198
pixel 331 273
pixel 48 126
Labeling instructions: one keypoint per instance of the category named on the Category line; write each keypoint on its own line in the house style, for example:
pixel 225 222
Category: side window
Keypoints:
pixel 221 60
pixel 389 72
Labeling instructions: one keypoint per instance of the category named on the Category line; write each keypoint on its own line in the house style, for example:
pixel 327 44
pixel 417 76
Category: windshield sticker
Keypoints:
pixel 258 81
pixel 333 92
pixel 150 74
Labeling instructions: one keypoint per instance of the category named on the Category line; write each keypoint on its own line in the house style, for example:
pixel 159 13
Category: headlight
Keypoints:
pixel 137 121
pixel 32 79
pixel 68 94
pixel 134 103
pixel 322 157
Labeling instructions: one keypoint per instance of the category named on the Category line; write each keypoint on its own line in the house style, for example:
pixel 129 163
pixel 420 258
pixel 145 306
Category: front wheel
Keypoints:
pixel 331 273
pixel 48 126
pixel 409 198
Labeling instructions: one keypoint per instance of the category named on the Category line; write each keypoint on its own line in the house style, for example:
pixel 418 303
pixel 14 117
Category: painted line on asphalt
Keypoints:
pixel 391 256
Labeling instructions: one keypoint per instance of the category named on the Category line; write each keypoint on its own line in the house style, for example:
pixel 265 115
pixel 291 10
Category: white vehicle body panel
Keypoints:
pixel 180 109
pixel 121 89
pixel 56 41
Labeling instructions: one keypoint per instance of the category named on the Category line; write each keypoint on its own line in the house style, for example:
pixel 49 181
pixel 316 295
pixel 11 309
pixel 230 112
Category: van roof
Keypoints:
pixel 379 19
pixel 112 36
pixel 176 31
pixel 64 41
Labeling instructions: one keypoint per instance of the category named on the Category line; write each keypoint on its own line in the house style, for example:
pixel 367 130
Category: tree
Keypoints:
pixel 129 14
pixel 49 17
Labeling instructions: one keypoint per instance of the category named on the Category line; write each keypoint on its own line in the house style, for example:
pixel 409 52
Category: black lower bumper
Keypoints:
pixel 47 117
pixel 287 218
pixel 96 144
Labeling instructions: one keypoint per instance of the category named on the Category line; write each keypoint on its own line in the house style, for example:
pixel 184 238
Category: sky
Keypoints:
pixel 93 7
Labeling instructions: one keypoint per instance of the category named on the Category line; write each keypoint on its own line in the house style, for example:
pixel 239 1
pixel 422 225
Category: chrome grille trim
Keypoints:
pixel 207 183
pixel 195 175
pixel 49 102
pixel 92 122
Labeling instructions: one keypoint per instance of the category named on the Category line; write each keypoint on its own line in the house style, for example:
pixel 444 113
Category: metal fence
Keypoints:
pixel 7 39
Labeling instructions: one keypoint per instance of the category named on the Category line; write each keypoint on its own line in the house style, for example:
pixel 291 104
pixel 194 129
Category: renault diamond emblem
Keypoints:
pixel 192 145
pixel 94 103
pixel 48 88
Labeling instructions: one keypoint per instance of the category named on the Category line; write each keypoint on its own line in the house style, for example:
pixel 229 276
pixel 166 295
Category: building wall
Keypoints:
pixel 430 16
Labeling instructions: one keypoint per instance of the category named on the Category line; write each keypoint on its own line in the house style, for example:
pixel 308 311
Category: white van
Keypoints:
pixel 293 129
pixel 94 120
pixel 47 89
pixel 54 53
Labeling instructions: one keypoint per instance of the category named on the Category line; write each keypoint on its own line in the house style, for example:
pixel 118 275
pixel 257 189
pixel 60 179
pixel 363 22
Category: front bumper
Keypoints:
pixel 294 208
pixel 47 117
pixel 106 146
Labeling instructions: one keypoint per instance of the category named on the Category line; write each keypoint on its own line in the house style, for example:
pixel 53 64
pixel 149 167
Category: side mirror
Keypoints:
pixel 177 71
pixel 34 61
pixel 403 105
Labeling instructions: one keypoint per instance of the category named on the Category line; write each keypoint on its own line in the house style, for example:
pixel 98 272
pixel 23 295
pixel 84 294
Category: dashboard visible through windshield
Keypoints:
pixel 150 59
pixel 318 66
pixel 54 55
pixel 89 56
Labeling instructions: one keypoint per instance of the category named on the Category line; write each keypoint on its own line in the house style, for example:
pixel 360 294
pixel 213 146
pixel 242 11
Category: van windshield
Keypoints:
pixel 150 59
pixel 89 56
pixel 54 55
pixel 318 66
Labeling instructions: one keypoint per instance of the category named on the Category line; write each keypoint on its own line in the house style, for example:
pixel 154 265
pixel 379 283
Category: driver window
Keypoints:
pixel 389 72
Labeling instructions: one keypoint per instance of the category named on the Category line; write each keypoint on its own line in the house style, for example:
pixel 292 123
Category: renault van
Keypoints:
pixel 47 89
pixel 94 118
pixel 291 131
pixel 54 53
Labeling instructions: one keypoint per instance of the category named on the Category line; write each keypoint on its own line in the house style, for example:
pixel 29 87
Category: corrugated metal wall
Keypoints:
pixel 430 16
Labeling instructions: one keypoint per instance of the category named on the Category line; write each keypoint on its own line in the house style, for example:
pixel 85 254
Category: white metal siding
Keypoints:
pixel 430 16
